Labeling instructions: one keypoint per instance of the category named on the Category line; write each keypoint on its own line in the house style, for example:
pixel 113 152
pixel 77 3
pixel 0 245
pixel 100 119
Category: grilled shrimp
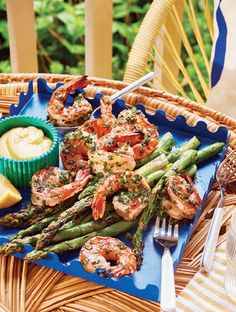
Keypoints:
pixel 76 144
pixel 182 199
pixel 134 129
pixel 127 204
pixel 74 115
pixel 136 121
pixel 52 186
pixel 98 251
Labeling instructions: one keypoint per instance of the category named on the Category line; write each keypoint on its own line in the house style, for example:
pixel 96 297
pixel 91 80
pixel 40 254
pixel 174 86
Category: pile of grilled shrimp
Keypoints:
pixel 100 174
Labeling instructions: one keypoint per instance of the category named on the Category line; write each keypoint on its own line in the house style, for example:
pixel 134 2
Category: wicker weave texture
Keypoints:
pixel 28 287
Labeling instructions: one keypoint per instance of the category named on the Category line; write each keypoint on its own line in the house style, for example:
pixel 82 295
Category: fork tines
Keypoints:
pixel 165 231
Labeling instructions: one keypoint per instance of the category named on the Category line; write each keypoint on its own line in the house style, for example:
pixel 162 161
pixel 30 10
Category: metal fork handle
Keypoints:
pixel 134 85
pixel 168 298
pixel 211 241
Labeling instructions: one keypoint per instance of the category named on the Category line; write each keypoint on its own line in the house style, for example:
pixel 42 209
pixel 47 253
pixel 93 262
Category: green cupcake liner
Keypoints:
pixel 19 172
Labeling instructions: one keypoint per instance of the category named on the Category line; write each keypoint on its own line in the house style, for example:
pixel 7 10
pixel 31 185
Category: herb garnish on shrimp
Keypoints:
pixel 98 251
pixel 52 186
pixel 181 198
pixel 127 204
pixel 131 128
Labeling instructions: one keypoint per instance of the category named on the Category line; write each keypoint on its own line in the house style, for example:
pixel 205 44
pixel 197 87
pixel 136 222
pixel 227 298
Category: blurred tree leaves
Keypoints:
pixel 60 28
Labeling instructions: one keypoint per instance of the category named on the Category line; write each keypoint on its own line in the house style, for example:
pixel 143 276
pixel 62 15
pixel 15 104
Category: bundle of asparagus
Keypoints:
pixel 186 164
pixel 33 214
pixel 73 244
pixel 70 229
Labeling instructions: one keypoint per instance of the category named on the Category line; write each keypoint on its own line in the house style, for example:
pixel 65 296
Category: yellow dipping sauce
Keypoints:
pixel 24 143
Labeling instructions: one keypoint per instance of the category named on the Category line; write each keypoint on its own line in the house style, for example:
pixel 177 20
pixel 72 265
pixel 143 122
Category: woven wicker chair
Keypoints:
pixel 164 42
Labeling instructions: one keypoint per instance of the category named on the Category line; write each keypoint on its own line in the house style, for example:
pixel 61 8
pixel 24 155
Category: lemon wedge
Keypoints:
pixel 9 195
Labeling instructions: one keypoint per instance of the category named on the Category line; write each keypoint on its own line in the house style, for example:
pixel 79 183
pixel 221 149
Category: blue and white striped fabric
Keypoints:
pixel 223 74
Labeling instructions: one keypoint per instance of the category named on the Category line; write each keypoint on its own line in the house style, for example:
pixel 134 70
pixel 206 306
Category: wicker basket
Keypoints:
pixel 28 287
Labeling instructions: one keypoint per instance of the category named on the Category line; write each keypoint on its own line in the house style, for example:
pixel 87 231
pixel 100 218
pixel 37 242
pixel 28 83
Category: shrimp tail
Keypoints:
pixel 119 270
pixel 104 273
pixel 98 206
pixel 76 83
pixel 194 197
pixel 56 195
pixel 83 176
pixel 109 272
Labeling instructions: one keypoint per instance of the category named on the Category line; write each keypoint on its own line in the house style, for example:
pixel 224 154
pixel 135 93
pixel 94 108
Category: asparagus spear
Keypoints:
pixel 67 215
pixel 72 229
pixel 47 234
pixel 38 227
pixel 209 151
pixel 69 233
pixel 88 218
pixel 35 227
pixel 190 170
pixel 90 190
pixel 17 244
pixel 17 219
pixel 112 230
pixel 158 163
pixel 154 176
pixel 77 220
pixel 152 169
pixel 86 228
pixel 33 214
pixel 191 144
pixel 165 144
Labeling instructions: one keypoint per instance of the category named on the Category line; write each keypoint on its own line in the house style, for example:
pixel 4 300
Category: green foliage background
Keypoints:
pixel 60 29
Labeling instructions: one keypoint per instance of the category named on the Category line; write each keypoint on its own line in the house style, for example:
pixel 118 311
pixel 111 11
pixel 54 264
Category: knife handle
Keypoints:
pixel 211 241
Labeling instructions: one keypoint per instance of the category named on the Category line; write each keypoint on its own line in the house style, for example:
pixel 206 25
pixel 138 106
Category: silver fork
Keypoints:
pixel 167 236
pixel 226 173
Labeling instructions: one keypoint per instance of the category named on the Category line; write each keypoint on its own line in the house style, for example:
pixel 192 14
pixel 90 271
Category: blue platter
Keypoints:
pixel 146 282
